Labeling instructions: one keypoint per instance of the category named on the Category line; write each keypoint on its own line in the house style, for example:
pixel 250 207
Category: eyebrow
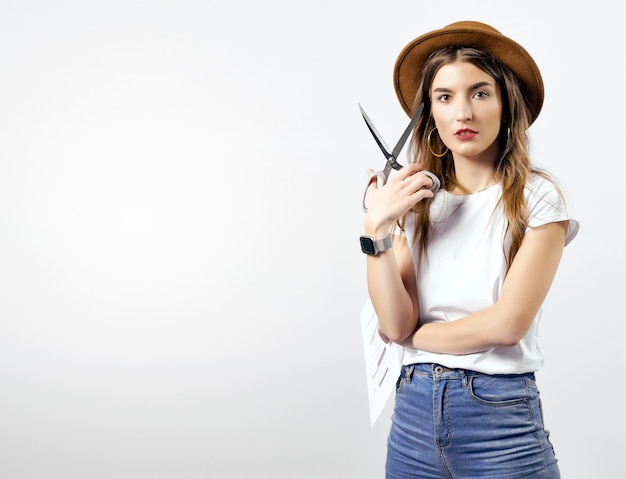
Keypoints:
pixel 472 87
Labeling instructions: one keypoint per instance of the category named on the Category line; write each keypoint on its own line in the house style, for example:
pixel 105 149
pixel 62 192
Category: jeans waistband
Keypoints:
pixel 439 371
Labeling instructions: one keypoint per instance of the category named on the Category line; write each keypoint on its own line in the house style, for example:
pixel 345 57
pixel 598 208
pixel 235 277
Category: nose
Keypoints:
pixel 464 111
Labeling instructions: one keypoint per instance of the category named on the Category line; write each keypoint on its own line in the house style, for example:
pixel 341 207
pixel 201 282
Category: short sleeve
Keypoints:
pixel 546 204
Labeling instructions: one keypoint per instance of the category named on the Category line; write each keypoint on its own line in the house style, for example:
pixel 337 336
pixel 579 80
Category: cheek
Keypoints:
pixel 440 120
pixel 496 111
pixel 437 112
pixel 445 135
pixel 497 122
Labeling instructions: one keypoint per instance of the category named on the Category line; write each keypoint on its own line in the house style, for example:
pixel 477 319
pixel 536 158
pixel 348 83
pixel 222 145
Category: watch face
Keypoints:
pixel 367 245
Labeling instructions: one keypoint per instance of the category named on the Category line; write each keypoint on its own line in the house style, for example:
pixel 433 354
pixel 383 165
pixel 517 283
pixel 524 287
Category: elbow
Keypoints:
pixel 398 323
pixel 513 330
pixel 397 337
pixel 511 339
pixel 396 334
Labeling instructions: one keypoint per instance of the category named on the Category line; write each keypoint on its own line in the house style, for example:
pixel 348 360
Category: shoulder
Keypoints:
pixel 540 188
pixel 546 204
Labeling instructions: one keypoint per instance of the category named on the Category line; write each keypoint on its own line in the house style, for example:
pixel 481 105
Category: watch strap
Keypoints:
pixel 383 244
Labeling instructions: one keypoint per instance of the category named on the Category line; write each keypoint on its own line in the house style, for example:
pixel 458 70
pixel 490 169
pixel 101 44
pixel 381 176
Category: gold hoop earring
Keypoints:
pixel 438 155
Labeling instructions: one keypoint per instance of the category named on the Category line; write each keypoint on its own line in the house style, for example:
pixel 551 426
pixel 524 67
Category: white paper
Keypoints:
pixel 382 363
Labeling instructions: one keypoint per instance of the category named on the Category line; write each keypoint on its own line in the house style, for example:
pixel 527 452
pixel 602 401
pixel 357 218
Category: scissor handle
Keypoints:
pixel 381 179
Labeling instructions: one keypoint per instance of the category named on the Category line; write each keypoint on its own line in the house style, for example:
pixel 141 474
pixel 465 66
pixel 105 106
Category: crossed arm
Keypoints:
pixel 503 324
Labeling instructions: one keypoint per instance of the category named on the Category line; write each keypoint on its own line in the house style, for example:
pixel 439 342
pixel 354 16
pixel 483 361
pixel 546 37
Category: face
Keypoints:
pixel 467 109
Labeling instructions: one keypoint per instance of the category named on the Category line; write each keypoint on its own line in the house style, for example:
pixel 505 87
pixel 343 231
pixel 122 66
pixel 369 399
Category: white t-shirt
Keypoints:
pixel 465 268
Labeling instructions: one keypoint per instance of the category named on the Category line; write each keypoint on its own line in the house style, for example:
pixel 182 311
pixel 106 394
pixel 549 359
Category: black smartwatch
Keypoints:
pixel 373 246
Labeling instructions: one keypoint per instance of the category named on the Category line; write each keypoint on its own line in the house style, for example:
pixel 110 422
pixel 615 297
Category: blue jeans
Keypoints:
pixel 460 424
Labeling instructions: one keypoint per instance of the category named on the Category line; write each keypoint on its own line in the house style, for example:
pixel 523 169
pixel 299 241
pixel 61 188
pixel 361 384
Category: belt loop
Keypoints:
pixel 409 373
pixel 464 379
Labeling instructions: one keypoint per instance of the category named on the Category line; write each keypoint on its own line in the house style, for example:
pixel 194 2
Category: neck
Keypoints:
pixel 472 177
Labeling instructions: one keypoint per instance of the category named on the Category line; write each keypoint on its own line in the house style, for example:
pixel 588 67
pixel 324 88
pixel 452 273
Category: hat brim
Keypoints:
pixel 408 67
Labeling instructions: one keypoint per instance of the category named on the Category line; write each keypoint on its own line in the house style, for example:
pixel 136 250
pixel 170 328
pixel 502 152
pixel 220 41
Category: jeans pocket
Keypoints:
pixel 499 390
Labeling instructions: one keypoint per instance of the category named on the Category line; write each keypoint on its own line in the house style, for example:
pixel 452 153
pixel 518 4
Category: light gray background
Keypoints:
pixel 180 275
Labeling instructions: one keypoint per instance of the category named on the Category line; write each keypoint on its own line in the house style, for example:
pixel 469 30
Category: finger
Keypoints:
pixel 435 183
pixel 429 181
pixel 416 184
pixel 408 170
pixel 422 178
pixel 422 194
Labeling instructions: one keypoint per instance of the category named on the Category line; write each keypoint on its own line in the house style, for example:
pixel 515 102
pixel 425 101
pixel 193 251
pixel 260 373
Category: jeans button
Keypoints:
pixel 438 370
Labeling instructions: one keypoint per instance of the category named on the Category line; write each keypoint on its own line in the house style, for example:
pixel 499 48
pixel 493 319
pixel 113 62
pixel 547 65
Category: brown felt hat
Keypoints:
pixel 408 68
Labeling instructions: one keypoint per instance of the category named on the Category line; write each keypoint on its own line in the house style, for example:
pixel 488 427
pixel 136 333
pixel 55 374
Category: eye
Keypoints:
pixel 481 94
pixel 443 97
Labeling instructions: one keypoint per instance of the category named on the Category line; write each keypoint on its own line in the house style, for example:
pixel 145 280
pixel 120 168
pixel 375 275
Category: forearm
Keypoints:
pixel 395 307
pixel 486 329
pixel 391 275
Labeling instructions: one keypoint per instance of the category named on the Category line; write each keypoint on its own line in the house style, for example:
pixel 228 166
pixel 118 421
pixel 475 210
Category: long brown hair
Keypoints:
pixel 512 167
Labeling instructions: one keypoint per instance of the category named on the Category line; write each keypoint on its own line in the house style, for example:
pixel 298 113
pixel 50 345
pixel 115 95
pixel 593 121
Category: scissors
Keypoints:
pixel 392 156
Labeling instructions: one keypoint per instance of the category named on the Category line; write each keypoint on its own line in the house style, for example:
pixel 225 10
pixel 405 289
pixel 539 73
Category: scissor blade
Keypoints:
pixel 375 134
pixel 398 148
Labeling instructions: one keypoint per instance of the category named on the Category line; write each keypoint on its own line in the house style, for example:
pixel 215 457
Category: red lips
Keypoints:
pixel 465 134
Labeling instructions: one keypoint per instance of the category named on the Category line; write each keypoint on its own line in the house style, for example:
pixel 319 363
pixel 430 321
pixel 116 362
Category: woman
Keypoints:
pixel 462 284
